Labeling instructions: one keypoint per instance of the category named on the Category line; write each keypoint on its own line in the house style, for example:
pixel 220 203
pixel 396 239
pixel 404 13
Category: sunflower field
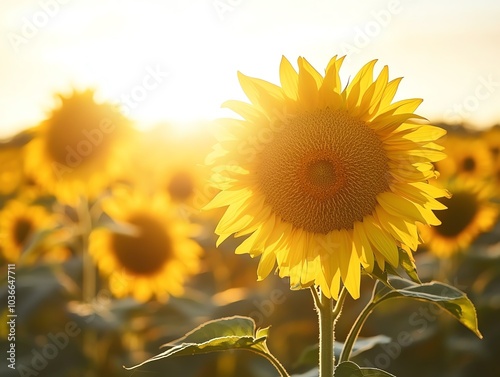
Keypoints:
pixel 271 240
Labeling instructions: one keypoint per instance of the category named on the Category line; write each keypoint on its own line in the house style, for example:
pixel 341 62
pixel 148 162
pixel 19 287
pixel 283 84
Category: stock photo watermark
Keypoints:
pixel 266 307
pixel 224 6
pixel 153 78
pixel 31 26
pixel 483 91
pixel 57 342
pixel 380 20
pixel 11 315
pixel 419 321
pixel 91 139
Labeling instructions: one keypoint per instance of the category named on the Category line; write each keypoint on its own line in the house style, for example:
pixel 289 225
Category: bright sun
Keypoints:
pixel 154 73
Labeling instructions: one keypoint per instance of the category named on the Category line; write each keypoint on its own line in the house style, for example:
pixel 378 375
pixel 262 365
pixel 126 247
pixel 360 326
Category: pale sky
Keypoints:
pixel 176 60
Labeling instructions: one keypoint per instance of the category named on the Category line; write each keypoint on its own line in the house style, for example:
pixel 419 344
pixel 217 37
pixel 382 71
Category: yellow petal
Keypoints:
pixel 383 243
pixel 289 79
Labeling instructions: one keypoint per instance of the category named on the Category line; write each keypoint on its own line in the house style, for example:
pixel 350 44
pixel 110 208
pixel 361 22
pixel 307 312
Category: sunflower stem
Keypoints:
pixel 89 271
pixel 327 315
pixel 89 275
pixel 337 310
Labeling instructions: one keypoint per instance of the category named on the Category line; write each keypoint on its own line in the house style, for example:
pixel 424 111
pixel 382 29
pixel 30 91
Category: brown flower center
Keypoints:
pixel 468 164
pixel 81 131
pixel 181 186
pixel 323 171
pixel 146 252
pixel 22 230
pixel 462 208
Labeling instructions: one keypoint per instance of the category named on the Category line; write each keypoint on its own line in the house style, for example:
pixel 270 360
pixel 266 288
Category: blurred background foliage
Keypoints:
pixel 86 179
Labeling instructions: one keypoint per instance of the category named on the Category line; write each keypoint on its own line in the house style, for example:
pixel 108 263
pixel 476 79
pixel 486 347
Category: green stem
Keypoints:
pixel 327 315
pixel 89 270
pixel 273 360
pixel 337 310
pixel 354 332
pixel 326 337
pixel 89 277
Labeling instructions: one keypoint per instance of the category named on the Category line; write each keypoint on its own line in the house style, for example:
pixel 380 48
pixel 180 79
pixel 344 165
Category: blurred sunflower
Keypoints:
pixel 80 148
pixel 467 156
pixel 19 224
pixel 492 138
pixel 470 212
pixel 166 163
pixel 173 164
pixel 11 169
pixel 151 253
pixel 323 180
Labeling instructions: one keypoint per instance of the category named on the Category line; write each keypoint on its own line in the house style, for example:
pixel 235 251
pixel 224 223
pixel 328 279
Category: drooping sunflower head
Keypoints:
pixel 468 156
pixel 80 148
pixel 322 179
pixel 470 212
pixel 151 253
pixel 20 224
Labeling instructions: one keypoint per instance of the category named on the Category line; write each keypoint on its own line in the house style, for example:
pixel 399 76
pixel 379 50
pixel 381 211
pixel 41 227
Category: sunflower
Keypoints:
pixel 492 138
pixel 170 164
pixel 150 253
pixel 20 223
pixel 163 162
pixel 467 155
pixel 470 212
pixel 11 169
pixel 322 180
pixel 80 148
pixel 184 179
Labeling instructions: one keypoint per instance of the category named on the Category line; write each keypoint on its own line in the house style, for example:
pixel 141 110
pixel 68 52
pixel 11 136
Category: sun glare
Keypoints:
pixel 152 73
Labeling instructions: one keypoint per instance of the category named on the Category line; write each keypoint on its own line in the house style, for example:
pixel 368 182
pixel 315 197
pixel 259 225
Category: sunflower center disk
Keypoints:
pixel 22 231
pixel 462 208
pixel 323 171
pixel 146 252
pixel 469 164
pixel 76 135
pixel 181 186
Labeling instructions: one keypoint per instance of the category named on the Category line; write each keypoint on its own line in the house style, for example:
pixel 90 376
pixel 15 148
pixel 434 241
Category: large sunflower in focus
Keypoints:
pixel 150 253
pixel 80 148
pixel 470 212
pixel 325 180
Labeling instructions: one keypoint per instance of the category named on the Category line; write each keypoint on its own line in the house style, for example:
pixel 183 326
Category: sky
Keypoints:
pixel 177 60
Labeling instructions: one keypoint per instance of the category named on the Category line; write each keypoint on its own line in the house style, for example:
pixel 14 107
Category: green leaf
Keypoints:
pixel 365 344
pixel 232 333
pixel 379 274
pixel 310 356
pixel 446 296
pixel 350 369
pixel 407 262
pixel 219 328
